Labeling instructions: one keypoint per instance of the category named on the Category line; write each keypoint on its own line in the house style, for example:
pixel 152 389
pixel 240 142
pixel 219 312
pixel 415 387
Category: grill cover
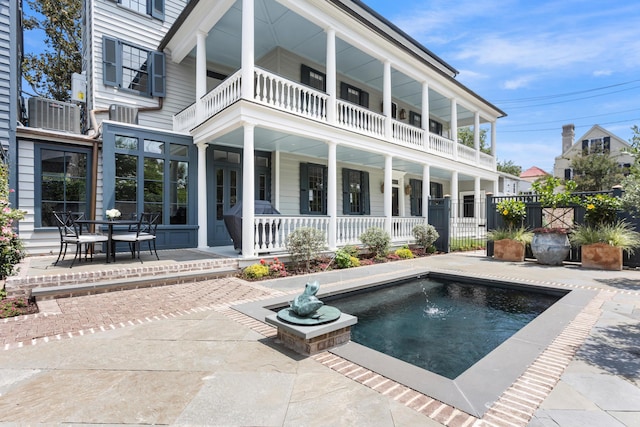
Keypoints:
pixel 233 222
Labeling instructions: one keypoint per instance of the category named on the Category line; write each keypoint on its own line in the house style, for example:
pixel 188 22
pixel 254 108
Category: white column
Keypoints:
pixel 332 194
pixel 388 174
pixel 425 113
pixel 386 99
pixel 493 143
pixel 476 197
pixel 453 125
pixel 201 72
pixel 476 135
pixel 495 188
pixel 331 75
pixel 455 196
pixel 426 192
pixel 202 199
pixel 248 190
pixel 248 42
pixel 275 198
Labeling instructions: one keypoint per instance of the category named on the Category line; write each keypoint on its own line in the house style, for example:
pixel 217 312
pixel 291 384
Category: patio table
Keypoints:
pixel 111 250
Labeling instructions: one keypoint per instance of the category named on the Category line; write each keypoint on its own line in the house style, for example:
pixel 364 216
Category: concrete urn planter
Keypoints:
pixel 508 250
pixel 550 248
pixel 601 256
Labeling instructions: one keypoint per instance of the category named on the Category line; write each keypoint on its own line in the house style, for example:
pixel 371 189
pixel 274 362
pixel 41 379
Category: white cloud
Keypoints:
pixel 518 83
pixel 600 73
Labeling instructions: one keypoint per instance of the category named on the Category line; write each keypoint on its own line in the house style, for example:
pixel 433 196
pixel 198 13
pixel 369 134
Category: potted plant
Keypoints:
pixel 550 244
pixel 603 238
pixel 509 241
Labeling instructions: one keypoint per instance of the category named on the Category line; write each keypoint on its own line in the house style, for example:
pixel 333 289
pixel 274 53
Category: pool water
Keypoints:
pixel 444 327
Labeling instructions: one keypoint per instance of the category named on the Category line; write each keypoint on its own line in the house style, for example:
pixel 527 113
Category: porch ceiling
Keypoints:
pixel 277 26
pixel 270 140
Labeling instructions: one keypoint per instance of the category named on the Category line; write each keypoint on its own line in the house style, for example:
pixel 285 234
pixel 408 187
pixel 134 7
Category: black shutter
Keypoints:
pixel 585 146
pixel 567 174
pixel 110 59
pixel 366 199
pixel 344 90
pixel 607 144
pixel 346 206
pixel 304 190
pixel 157 9
pixel 325 182
pixel 364 99
pixel 305 75
pixel 413 199
pixel 157 74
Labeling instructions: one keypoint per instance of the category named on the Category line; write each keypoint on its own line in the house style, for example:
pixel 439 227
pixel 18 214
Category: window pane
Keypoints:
pixel 134 68
pixel 179 187
pixel 178 150
pixel 355 191
pixel 139 6
pixel 153 146
pixel 316 189
pixel 126 182
pixel 126 142
pixel 153 180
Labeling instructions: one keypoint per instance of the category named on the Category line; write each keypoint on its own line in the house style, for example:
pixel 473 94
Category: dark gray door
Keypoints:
pixel 225 184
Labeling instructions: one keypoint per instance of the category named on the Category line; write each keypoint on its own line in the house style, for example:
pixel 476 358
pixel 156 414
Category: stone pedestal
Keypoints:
pixel 309 340
pixel 601 256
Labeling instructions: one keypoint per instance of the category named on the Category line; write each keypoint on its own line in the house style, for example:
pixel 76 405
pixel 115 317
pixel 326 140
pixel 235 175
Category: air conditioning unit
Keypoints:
pixel 123 114
pixel 53 115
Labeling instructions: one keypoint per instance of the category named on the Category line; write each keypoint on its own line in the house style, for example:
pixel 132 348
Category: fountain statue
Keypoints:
pixel 307 309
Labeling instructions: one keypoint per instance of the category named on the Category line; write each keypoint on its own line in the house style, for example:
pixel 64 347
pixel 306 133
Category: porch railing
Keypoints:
pixel 441 145
pixel 408 134
pixel 361 120
pixel 228 92
pixel 466 154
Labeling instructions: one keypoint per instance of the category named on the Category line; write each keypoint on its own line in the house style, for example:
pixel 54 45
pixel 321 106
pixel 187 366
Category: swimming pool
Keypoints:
pixel 442 326
pixel 475 390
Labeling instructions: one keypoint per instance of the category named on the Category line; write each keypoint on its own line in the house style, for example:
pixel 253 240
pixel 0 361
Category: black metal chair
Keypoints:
pixel 143 231
pixel 71 233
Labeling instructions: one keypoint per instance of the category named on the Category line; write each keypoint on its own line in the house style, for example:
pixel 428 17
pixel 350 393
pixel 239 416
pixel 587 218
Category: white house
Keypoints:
pixel 596 139
pixel 323 108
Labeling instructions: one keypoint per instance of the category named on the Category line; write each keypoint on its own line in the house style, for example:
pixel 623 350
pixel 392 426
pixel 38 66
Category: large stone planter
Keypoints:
pixel 550 248
pixel 601 256
pixel 508 250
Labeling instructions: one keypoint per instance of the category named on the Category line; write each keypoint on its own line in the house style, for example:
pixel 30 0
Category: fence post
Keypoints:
pixel 491 221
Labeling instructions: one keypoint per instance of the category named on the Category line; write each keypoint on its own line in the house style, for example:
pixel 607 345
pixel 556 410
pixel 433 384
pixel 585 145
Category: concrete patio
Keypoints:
pixel 180 355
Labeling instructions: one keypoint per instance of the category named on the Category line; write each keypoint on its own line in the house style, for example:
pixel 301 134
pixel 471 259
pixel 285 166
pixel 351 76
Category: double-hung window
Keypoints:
pixel 313 189
pixel 355 192
pixel 133 68
pixel 354 95
pixel 153 8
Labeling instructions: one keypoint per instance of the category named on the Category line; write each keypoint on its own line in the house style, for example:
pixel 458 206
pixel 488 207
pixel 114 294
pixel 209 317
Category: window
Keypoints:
pixel 468 205
pixel 355 192
pixel 596 145
pixel 64 183
pixel 313 189
pixel 416 197
pixel 153 8
pixel 568 173
pixel 133 68
pixel 152 175
pixel 435 127
pixel 415 119
pixel 354 95
pixel 313 78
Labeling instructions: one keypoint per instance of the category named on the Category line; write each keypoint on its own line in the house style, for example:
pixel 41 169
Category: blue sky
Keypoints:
pixel 545 63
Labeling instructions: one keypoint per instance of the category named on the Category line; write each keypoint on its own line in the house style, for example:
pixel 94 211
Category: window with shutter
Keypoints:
pixel 313 189
pixel 133 68
pixel 354 95
pixel 355 192
pixel 153 8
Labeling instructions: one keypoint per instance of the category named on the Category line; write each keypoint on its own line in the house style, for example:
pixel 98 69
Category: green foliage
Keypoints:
pixel 507 166
pixel 466 244
pixel 619 234
pixel 351 250
pixel 601 209
pixel 343 259
pixel 49 73
pixel 549 197
pixel 596 171
pixel 355 262
pixel 465 137
pixel 11 248
pixel 425 235
pixel 520 234
pixel 512 212
pixel 377 241
pixel 256 271
pixel 304 244
pixel 404 253
pixel 631 183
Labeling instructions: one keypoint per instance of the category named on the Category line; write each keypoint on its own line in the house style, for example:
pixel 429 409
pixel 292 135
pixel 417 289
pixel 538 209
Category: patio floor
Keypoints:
pixel 180 355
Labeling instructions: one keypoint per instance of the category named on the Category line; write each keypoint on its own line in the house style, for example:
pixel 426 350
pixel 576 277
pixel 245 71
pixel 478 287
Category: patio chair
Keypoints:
pixel 143 231
pixel 70 233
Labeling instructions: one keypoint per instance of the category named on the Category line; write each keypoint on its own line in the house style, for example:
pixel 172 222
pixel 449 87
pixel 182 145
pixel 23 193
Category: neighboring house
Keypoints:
pixel 325 109
pixel 596 139
pixel 530 176
pixel 510 185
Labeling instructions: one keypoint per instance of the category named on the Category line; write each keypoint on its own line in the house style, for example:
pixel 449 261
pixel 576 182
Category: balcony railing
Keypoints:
pixel 286 95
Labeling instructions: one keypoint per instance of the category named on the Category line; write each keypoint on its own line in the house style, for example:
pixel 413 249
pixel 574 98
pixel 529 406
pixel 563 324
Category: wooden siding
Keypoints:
pixel 6 72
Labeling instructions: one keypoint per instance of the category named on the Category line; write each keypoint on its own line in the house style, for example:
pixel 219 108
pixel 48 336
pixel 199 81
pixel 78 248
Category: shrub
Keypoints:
pixel 601 209
pixel 377 241
pixel 11 249
pixel 343 259
pixel 355 262
pixel 351 250
pixel 256 271
pixel 404 253
pixel 512 212
pixel 304 245
pixel 425 235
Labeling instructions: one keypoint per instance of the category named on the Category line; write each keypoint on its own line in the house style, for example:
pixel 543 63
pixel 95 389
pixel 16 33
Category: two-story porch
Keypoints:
pixel 319 110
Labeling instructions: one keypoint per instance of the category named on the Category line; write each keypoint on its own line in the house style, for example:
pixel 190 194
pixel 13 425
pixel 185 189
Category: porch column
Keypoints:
pixel 424 120
pixel 453 127
pixel 388 191
pixel 332 195
pixel 248 190
pixel 476 135
pixel 493 143
pixel 202 200
pixel 248 42
pixel 426 192
pixel 201 72
pixel 455 195
pixel 386 100
pixel 476 197
pixel 275 188
pixel 495 188
pixel 331 75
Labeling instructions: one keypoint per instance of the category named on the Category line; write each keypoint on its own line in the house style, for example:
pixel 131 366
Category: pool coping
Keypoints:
pixel 476 389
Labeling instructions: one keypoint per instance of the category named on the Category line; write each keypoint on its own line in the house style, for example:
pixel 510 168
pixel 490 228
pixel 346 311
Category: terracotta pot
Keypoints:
pixel 601 256
pixel 508 250
pixel 550 248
